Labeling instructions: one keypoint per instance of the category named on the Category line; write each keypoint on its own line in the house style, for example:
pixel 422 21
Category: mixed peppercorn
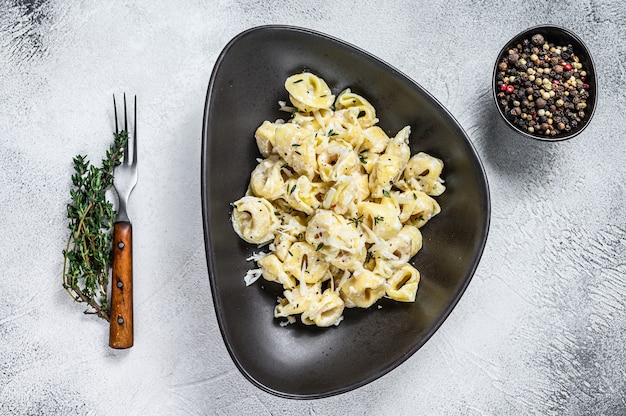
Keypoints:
pixel 542 88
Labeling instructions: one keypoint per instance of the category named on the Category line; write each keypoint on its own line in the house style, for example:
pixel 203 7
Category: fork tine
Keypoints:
pixel 126 130
pixel 125 118
pixel 115 112
pixel 135 133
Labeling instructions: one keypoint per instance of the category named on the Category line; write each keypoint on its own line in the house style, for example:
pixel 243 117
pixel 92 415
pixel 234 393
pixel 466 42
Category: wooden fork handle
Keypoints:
pixel 121 316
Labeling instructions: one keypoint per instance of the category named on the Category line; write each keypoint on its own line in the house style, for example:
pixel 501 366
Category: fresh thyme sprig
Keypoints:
pixel 87 255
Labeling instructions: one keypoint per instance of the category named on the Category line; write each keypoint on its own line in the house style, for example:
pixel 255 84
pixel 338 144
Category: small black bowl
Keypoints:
pixel 557 36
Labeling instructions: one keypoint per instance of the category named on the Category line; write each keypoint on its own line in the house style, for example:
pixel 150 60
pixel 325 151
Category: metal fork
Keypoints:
pixel 124 180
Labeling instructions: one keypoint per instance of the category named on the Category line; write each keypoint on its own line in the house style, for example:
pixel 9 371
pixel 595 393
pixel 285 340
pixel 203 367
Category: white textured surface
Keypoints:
pixel 541 329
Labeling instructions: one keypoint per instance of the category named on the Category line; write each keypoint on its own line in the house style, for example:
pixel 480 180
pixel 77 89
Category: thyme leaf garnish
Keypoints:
pixel 356 220
pixel 87 255
pixel 362 156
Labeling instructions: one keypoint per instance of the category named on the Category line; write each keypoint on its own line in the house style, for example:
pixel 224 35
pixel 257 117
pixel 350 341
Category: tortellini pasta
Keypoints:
pixel 254 220
pixel 309 92
pixel 339 204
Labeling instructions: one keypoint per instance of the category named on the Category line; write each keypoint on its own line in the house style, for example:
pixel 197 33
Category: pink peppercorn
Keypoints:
pixel 510 89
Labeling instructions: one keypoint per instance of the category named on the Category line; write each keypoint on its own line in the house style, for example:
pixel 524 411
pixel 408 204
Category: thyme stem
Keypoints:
pixel 87 254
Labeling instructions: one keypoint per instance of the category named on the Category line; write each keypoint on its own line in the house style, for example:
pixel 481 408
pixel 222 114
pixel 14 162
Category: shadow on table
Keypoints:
pixel 509 153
